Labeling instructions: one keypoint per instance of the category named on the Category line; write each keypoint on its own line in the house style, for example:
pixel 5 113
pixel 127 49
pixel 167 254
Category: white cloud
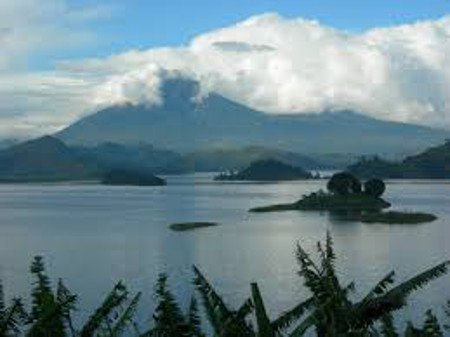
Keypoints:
pixel 28 27
pixel 34 102
pixel 278 65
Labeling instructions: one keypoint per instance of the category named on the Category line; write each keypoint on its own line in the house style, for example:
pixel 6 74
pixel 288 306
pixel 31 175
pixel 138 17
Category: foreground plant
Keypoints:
pixel 333 313
pixel 225 322
pixel 12 316
pixel 169 320
pixel 330 310
pixel 51 311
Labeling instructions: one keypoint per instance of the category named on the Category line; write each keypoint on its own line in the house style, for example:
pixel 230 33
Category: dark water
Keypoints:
pixel 92 236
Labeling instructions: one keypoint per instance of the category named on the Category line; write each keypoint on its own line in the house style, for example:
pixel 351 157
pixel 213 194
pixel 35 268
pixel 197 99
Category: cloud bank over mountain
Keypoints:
pixel 280 65
pixel 277 65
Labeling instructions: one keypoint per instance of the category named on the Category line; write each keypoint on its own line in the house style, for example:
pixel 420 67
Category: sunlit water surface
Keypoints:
pixel 92 236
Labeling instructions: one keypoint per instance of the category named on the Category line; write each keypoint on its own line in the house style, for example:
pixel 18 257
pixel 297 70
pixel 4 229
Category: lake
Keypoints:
pixel 92 236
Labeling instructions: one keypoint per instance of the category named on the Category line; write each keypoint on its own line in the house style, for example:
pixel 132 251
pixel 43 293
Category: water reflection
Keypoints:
pixel 95 235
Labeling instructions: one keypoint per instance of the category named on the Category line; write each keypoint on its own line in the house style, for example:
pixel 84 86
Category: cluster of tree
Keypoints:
pixel 267 170
pixel 330 310
pixel 345 183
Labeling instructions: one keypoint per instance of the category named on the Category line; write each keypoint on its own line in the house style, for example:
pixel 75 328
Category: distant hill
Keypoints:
pixel 185 125
pixel 131 178
pixel 141 157
pixel 267 170
pixel 49 159
pixel 43 159
pixel 216 160
pixel 376 167
pixel 433 163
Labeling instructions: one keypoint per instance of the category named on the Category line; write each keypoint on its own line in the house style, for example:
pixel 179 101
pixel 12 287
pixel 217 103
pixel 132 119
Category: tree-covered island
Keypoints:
pixel 266 170
pixel 347 197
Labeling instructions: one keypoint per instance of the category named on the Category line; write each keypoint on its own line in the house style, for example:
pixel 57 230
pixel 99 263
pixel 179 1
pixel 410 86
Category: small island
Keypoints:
pixel 132 178
pixel 188 226
pixel 266 170
pixel 353 201
pixel 395 217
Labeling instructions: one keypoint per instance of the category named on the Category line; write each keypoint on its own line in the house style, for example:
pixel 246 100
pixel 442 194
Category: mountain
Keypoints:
pixel 183 124
pixel 43 159
pixel 266 170
pixel 433 163
pixel 5 143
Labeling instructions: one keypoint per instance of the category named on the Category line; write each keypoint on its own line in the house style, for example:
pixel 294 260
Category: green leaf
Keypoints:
pixel 265 328
pixel 113 300
pixel 126 318
pixel 374 308
pixel 289 317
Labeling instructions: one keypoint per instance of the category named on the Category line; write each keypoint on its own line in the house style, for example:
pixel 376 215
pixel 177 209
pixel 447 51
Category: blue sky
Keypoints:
pixel 144 24
pixel 62 59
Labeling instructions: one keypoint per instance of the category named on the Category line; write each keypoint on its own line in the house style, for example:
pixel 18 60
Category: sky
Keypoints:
pixel 62 59
pixel 142 24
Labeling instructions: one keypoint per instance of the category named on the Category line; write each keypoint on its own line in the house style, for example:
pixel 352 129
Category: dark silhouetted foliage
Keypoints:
pixel 267 170
pixel 374 187
pixel 330 311
pixel 12 317
pixel 169 320
pixel 344 183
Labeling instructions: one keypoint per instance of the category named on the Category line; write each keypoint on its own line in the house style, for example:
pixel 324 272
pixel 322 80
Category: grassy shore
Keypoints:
pixel 329 202
pixel 395 217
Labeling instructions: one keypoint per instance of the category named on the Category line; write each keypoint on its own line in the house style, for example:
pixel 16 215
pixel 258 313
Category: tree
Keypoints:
pixel 51 311
pixel 344 184
pixel 447 313
pixel 113 316
pixel 275 328
pixel 12 317
pixel 169 319
pixel 374 187
pixel 430 328
pixel 333 313
pixel 48 315
pixel 224 321
pixel 329 310
pixel 265 327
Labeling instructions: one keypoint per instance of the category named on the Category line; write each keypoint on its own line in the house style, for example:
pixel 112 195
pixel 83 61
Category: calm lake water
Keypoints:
pixel 92 236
